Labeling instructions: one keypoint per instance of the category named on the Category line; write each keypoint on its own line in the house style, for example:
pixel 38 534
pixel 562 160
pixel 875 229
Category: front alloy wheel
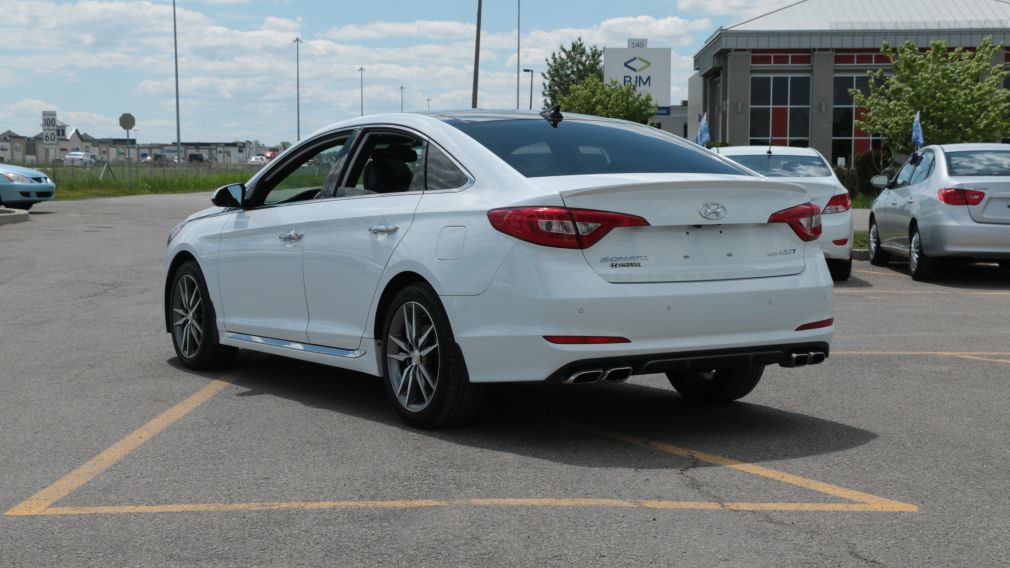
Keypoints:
pixel 194 331
pixel 878 256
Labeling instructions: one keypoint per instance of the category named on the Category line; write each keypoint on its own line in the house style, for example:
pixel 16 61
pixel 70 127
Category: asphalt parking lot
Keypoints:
pixel 892 453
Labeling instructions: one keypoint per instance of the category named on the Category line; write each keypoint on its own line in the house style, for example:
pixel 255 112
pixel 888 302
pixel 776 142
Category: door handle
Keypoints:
pixel 383 229
pixel 895 202
pixel 291 236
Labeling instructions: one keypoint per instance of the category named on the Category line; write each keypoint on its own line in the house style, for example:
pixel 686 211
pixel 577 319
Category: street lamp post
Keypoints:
pixel 178 128
pixel 429 103
pixel 476 58
pixel 298 89
pixel 518 35
pixel 361 71
pixel 530 71
pixel 401 98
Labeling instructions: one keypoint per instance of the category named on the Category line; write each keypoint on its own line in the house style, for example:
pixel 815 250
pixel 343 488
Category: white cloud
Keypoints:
pixel 743 8
pixel 430 29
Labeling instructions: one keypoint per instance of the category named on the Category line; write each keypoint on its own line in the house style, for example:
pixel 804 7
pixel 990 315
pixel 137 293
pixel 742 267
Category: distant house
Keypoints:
pixel 12 147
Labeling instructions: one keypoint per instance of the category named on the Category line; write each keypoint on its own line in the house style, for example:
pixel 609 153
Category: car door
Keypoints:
pixel 904 210
pixel 260 254
pixel 351 235
pixel 887 224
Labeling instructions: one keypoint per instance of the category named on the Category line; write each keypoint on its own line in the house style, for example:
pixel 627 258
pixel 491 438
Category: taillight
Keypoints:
pixel 837 204
pixel 805 220
pixel 956 196
pixel 560 226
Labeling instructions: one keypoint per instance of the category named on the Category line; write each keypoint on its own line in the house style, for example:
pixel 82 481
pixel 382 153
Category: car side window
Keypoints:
pixel 905 174
pixel 305 175
pixel 441 172
pixel 386 162
pixel 924 169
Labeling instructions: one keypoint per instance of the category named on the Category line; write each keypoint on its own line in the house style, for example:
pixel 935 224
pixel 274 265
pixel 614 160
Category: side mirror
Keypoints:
pixel 229 196
pixel 879 182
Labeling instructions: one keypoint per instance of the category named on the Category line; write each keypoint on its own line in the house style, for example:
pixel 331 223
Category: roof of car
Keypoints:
pixel 974 146
pixel 775 150
pixel 480 115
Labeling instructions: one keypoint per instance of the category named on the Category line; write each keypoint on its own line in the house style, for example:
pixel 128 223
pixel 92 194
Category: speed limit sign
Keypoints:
pixel 49 125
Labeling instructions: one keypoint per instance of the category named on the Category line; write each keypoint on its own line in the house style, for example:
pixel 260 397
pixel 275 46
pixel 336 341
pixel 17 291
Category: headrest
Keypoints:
pixel 402 153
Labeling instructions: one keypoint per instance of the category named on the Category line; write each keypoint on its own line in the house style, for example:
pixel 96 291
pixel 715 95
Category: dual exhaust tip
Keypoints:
pixel 586 376
pixel 804 359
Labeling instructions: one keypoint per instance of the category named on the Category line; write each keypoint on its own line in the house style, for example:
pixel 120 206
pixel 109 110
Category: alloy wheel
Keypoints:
pixel 187 316
pixel 914 250
pixel 412 351
pixel 873 239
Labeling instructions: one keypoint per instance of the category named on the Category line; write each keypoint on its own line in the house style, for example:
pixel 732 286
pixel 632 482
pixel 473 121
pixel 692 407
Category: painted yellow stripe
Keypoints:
pixel 881 273
pixel 944 291
pixel 882 507
pixel 974 358
pixel 38 503
pixel 760 471
pixel 231 507
pixel 550 503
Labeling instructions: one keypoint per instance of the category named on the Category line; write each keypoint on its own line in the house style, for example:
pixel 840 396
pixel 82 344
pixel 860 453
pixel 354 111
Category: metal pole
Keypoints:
pixel 476 58
pixel 518 35
pixel 530 71
pixel 361 70
pixel 129 171
pixel 429 103
pixel 401 98
pixel 298 87
pixel 178 127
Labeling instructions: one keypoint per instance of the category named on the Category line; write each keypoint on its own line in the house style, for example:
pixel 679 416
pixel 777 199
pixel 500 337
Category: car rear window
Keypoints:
pixel 575 147
pixel 784 166
pixel 979 163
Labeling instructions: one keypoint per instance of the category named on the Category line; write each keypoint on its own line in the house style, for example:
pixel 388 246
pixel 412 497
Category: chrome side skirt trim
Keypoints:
pixel 306 347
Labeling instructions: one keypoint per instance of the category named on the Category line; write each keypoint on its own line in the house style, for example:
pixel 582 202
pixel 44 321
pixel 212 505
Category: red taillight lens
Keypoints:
pixel 837 204
pixel 584 339
pixel 816 324
pixel 956 196
pixel 805 220
pixel 560 226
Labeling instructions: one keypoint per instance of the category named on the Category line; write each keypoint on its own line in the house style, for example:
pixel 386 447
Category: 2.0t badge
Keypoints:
pixel 712 211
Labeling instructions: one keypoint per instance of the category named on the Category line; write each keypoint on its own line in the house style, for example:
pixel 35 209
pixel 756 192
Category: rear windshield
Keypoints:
pixel 535 149
pixel 979 163
pixel 784 166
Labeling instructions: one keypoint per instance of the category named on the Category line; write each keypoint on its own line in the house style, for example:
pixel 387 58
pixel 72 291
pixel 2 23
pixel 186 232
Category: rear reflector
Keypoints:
pixel 837 204
pixel 956 196
pixel 816 324
pixel 584 339
pixel 840 242
pixel 805 220
pixel 560 226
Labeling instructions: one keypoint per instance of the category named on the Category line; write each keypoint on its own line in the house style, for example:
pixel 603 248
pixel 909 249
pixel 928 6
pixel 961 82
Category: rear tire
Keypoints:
pixel 21 206
pixel 718 385
pixel 193 322
pixel 840 269
pixel 921 267
pixel 878 256
pixel 423 370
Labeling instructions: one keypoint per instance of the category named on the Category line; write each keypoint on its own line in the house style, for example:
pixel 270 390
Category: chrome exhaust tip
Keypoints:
pixel 616 375
pixel 584 377
pixel 817 357
pixel 799 359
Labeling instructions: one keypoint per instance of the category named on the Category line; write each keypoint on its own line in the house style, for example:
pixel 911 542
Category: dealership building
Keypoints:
pixel 783 78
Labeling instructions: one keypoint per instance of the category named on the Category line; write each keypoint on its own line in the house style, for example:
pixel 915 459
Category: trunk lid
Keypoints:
pixel 995 206
pixel 680 244
pixel 819 190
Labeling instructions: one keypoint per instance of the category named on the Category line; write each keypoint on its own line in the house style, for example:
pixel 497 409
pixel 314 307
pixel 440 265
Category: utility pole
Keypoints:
pixel 178 128
pixel 401 98
pixel 361 70
pixel 530 71
pixel 518 35
pixel 477 55
pixel 298 88
pixel 429 103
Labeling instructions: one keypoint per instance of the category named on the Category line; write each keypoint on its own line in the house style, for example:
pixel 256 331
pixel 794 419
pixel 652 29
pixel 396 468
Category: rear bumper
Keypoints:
pixel 836 226
pixel 974 240
pixel 540 291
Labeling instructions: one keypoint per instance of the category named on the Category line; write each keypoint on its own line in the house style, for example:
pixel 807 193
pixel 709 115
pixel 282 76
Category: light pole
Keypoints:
pixel 401 98
pixel 476 58
pixel 298 89
pixel 518 35
pixel 530 71
pixel 178 128
pixel 361 70
pixel 429 103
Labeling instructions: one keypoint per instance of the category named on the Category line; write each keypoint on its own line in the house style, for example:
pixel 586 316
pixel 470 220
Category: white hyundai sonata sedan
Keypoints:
pixel 444 251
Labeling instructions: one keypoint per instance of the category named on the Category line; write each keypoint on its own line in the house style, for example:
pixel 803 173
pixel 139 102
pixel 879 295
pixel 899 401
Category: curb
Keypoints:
pixel 9 216
pixel 860 254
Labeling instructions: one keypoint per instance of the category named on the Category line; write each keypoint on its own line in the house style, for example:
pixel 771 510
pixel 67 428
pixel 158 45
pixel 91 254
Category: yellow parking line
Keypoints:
pixel 881 273
pixel 976 358
pixel 38 503
pixel 945 291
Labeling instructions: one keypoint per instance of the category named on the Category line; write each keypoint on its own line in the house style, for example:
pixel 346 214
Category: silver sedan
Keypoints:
pixel 948 201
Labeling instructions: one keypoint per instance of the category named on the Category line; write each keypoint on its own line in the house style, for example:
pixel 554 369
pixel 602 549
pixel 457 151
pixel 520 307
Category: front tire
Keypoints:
pixel 878 256
pixel 921 267
pixel 423 369
pixel 840 269
pixel 718 385
pixel 193 323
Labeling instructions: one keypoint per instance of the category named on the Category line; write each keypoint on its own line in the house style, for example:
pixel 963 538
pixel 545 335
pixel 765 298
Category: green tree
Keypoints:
pixel 593 96
pixel 570 67
pixel 959 94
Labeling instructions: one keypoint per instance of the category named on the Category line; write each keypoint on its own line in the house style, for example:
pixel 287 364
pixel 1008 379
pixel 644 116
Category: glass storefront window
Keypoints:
pixel 780 110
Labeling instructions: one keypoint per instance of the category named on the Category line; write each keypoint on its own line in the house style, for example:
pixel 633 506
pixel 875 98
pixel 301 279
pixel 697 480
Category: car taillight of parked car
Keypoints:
pixel 837 204
pixel 560 226
pixel 805 220
pixel 957 196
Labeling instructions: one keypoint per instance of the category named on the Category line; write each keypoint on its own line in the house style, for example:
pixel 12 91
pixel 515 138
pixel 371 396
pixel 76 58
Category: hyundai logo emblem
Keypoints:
pixel 712 211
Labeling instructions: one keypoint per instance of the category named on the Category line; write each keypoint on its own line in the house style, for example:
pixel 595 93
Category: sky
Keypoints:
pixel 92 60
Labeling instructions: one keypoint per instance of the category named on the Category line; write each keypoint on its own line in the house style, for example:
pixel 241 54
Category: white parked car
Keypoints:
pixel 446 251
pixel 258 161
pixel 79 159
pixel 808 168
pixel 947 203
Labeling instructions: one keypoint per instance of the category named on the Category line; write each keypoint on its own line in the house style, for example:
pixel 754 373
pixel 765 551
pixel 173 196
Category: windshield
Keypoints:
pixel 575 147
pixel 784 166
pixel 979 163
